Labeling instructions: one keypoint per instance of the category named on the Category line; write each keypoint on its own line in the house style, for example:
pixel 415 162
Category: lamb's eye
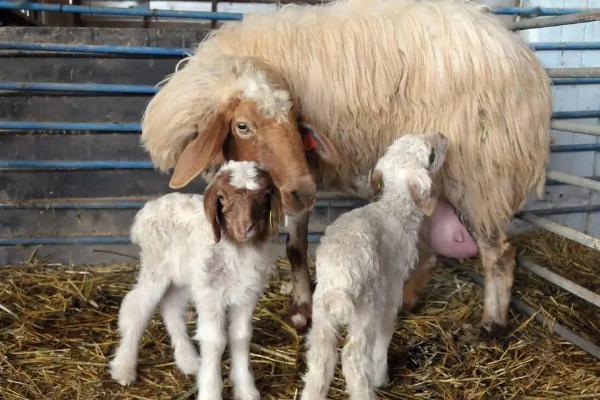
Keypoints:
pixel 242 126
pixel 431 157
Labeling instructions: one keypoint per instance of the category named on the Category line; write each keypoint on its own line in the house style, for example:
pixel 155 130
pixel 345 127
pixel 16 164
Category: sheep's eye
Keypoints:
pixel 431 157
pixel 242 129
pixel 220 199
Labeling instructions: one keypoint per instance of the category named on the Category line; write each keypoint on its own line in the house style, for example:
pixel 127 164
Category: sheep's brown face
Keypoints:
pixel 243 208
pixel 244 133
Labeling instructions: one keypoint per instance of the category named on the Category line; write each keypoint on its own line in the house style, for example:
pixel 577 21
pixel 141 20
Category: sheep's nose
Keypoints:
pixel 249 227
pixel 299 197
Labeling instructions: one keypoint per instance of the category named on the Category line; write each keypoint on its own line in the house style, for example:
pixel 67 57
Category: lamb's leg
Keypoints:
pixel 172 308
pixel 321 356
pixel 498 259
pixel 387 323
pixel 297 253
pixel 416 283
pixel 357 355
pixel 211 334
pixel 136 309
pixel 240 332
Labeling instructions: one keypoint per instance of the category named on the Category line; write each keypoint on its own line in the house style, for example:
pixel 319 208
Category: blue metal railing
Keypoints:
pixel 124 128
pixel 77 88
pixel 118 11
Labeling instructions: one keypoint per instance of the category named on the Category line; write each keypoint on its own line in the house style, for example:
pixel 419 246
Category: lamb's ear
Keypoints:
pixel 213 209
pixel 376 181
pixel 205 150
pixel 320 144
pixel 422 193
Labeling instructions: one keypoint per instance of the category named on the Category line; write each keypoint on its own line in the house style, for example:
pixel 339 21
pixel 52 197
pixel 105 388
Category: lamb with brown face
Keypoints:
pixel 212 249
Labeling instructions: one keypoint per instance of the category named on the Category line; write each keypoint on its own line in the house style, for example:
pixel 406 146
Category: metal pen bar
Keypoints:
pixel 117 11
pixel 553 326
pixel 574 148
pixel 561 230
pixel 564 210
pixel 573 72
pixel 77 87
pixel 538 11
pixel 550 46
pixel 575 81
pixel 559 281
pixel 576 128
pixel 45 165
pixel 544 22
pixel 97 49
pixel 313 237
pixel 573 180
pixel 123 128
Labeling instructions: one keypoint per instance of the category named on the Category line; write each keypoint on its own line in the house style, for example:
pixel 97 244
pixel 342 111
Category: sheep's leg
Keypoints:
pixel 212 337
pixel 498 259
pixel 240 332
pixel 357 355
pixel 134 314
pixel 172 308
pixel 321 356
pixel 417 281
pixel 297 253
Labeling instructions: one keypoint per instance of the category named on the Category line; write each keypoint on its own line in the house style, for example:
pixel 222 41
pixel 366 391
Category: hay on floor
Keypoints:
pixel 58 330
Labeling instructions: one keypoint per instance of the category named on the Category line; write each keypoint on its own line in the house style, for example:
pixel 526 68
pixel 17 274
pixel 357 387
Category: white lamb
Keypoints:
pixel 214 250
pixel 362 263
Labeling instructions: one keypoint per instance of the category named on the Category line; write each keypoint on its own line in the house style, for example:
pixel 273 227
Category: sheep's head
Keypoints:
pixel 242 203
pixel 408 165
pixel 229 108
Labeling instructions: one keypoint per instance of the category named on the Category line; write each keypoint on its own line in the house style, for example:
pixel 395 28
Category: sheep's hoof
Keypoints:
pixel 496 332
pixel 249 393
pixel 124 374
pixel 299 316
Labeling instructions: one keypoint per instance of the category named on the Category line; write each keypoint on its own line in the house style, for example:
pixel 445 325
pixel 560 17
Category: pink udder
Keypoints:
pixel 448 236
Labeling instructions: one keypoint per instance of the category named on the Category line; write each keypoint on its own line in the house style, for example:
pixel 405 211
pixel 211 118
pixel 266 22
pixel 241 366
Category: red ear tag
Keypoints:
pixel 310 143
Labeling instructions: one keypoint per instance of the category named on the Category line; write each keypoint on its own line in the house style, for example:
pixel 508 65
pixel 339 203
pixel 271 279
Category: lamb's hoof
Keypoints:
pixel 248 393
pixel 300 316
pixel 123 373
pixel 188 362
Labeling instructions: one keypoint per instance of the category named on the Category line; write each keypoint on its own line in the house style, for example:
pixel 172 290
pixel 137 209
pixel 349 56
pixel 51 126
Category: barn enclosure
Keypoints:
pixel 75 77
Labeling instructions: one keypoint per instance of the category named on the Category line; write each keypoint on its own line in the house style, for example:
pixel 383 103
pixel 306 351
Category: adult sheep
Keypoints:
pixel 363 73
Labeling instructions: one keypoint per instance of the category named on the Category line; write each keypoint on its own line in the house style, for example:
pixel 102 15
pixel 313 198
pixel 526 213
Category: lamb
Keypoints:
pixel 364 259
pixel 418 58
pixel 213 250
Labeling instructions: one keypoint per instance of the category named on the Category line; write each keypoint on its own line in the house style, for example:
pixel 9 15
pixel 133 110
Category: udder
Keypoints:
pixel 447 236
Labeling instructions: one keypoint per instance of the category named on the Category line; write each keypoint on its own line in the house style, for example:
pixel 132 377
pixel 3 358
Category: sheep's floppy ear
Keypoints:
pixel 213 209
pixel 376 180
pixel 275 213
pixel 422 193
pixel 320 144
pixel 205 150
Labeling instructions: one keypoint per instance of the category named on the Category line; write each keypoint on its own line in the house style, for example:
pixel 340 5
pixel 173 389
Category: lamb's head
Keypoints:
pixel 242 203
pixel 408 166
pixel 229 108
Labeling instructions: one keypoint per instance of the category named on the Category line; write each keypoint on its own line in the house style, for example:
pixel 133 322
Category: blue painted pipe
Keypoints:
pixel 565 46
pixel 151 90
pixel 566 210
pixel 136 204
pixel 122 12
pixel 183 52
pixel 540 11
pixel 573 148
pixel 95 240
pixel 550 182
pixel 46 165
pixel 576 81
pixel 576 114
pixel 77 87
pixel 98 49
pixel 127 128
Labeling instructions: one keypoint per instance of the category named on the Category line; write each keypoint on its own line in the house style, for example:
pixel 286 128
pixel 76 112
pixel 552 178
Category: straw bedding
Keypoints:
pixel 58 328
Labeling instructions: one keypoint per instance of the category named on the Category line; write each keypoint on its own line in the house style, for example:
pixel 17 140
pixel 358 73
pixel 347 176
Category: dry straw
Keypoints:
pixel 57 330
